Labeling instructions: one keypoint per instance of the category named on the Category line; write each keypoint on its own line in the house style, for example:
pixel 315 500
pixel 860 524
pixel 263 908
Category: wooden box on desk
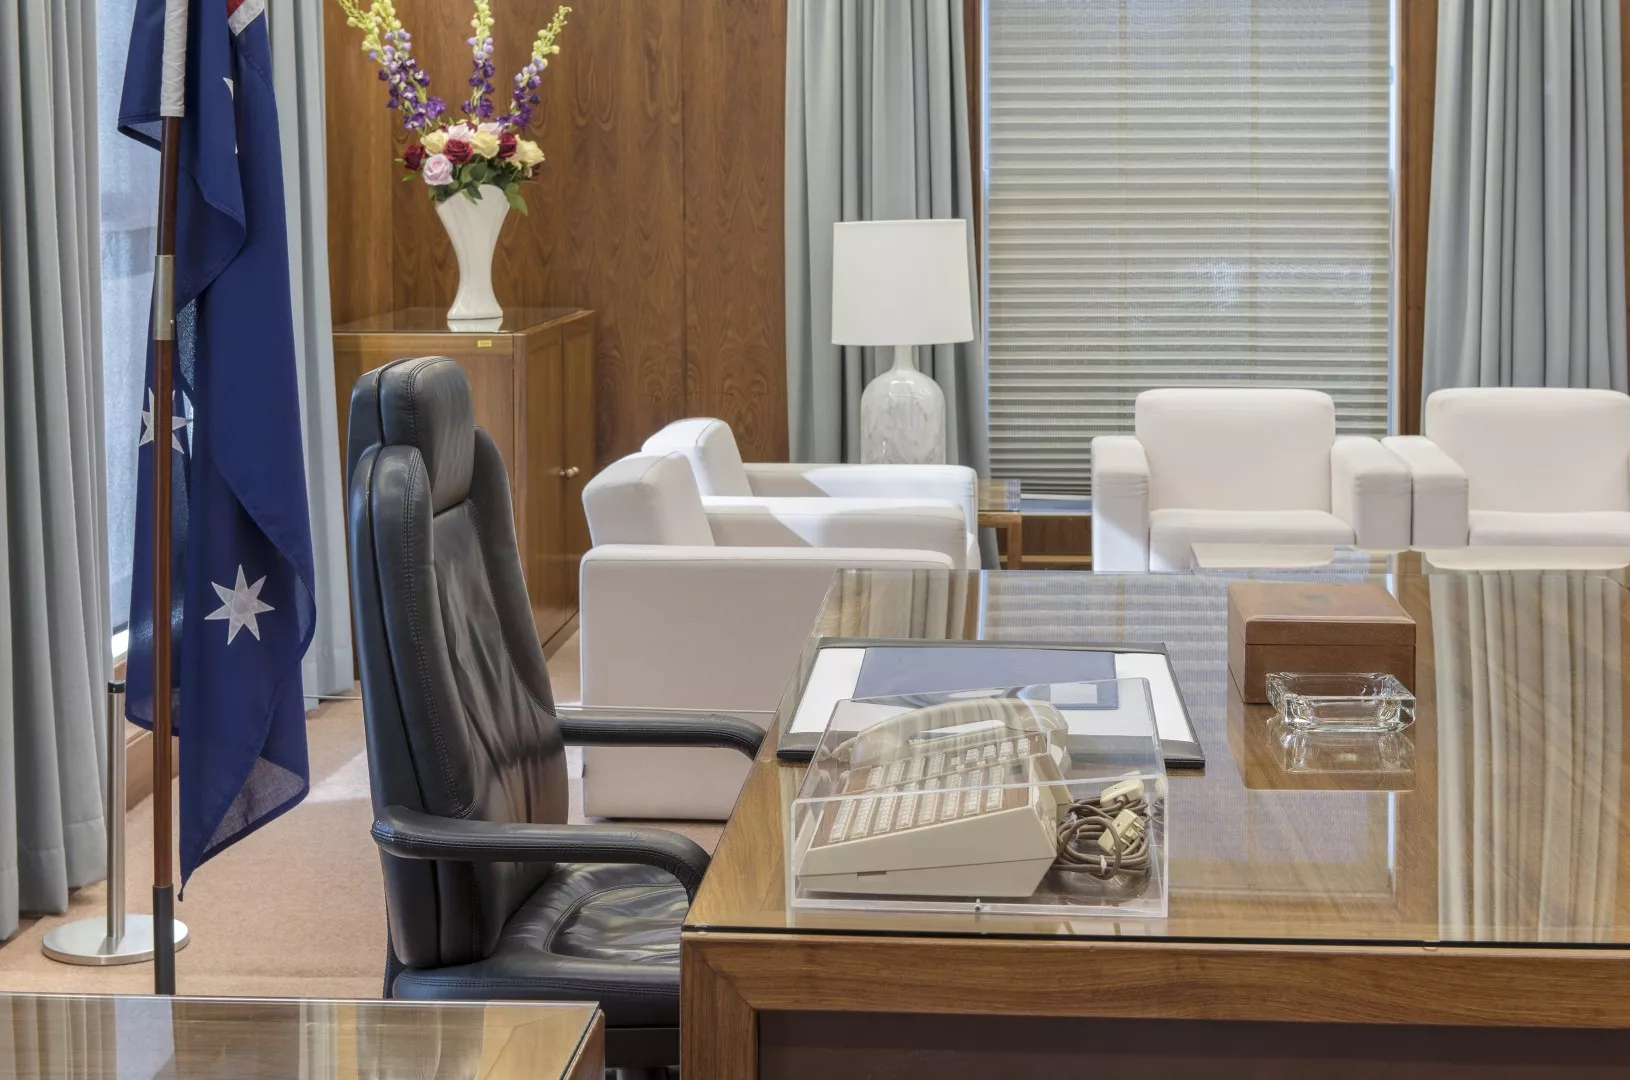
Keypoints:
pixel 1315 628
pixel 532 386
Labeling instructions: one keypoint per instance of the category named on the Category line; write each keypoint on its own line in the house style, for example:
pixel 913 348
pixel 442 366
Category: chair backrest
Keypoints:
pixel 1542 450
pixel 456 698
pixel 711 448
pixel 646 499
pixel 1237 449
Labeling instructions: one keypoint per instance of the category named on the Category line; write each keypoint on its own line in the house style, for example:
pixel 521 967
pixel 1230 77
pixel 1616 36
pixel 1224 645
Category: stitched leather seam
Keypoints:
pixel 577 905
pixel 492 595
pixel 411 594
pixel 572 985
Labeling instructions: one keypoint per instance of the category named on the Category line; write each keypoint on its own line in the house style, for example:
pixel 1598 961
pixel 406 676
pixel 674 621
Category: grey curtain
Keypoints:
pixel 877 129
pixel 1525 252
pixel 297 62
pixel 54 632
pixel 1529 741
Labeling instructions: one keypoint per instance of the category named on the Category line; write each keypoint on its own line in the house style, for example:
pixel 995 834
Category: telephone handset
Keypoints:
pixel 963 798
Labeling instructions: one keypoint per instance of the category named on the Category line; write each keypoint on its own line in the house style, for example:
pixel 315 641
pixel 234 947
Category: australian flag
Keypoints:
pixel 242 608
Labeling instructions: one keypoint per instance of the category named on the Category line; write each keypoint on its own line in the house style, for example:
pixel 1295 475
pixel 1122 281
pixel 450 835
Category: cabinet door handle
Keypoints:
pixel 570 472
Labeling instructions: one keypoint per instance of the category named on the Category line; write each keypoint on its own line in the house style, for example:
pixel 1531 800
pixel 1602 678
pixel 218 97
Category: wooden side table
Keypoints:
pixel 532 387
pixel 999 509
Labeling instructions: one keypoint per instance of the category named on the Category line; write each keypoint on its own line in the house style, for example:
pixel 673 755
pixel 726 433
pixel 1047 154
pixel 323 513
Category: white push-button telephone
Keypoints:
pixel 964 798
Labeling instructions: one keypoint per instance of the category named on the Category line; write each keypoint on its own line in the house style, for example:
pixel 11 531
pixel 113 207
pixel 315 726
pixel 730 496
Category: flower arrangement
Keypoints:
pixel 483 148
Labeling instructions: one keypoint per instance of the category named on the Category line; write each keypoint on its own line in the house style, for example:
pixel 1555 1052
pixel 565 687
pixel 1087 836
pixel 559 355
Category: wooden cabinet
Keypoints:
pixel 532 384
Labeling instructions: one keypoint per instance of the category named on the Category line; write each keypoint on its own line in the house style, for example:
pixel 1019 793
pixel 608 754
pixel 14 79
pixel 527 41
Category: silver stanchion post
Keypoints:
pixel 118 938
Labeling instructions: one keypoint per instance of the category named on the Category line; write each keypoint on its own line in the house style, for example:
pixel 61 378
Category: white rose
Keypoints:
pixel 527 153
pixel 491 127
pixel 485 144
pixel 435 142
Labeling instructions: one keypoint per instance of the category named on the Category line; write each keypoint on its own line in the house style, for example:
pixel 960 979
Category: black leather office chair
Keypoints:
pixel 490 894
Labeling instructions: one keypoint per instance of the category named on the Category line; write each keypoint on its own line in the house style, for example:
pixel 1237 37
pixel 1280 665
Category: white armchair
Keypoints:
pixel 711 449
pixel 1239 466
pixel 699 608
pixel 1521 467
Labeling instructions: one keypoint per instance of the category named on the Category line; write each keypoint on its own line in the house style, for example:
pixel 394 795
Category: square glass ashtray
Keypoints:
pixel 1341 703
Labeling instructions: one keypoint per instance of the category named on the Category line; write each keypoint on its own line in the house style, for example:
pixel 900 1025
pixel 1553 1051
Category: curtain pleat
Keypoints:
pixel 297 71
pixel 877 129
pixel 1525 275
pixel 54 624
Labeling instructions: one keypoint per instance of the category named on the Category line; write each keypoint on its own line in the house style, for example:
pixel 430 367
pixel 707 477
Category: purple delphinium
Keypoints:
pixel 409 85
pixel 525 95
pixel 481 84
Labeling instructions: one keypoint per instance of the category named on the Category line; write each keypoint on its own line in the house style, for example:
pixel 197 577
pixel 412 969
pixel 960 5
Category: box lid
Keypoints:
pixel 1317 613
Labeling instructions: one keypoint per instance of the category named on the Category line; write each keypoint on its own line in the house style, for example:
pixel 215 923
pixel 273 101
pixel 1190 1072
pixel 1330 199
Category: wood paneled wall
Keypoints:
pixel 659 204
pixel 1417 97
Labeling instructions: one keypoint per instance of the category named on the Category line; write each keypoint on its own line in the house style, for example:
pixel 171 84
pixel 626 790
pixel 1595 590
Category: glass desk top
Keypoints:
pixel 1497 821
pixel 431 320
pixel 47 1037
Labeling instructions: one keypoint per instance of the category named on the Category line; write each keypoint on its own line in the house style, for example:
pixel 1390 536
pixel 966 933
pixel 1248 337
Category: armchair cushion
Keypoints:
pixel 1590 528
pixel 1237 449
pixel 1536 449
pixel 646 499
pixel 1438 498
pixel 956 484
pixel 710 446
pixel 909 524
pixel 1370 491
pixel 1172 533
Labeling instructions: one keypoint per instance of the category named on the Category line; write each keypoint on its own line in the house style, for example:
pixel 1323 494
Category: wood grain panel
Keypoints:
pixel 1417 99
pixel 360 268
pixel 540 488
pixel 735 307
pixel 578 343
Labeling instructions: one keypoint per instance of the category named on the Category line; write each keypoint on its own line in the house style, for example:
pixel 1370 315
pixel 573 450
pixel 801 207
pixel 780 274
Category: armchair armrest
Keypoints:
pixel 911 524
pixel 1120 503
pixel 1442 495
pixel 954 483
pixel 414 834
pixel 637 727
pixel 1370 490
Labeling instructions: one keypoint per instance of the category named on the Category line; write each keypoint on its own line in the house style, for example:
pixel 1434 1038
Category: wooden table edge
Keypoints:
pixel 589 1063
pixel 1456 986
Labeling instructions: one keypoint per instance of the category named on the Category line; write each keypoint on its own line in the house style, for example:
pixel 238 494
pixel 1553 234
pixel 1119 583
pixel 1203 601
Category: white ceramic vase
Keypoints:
pixel 474 227
pixel 902 416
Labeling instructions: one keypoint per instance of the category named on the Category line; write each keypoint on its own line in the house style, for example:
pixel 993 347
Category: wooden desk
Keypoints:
pixel 45 1037
pixel 532 386
pixel 1394 923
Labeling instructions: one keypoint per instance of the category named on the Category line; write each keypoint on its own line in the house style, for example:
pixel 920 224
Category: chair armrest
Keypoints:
pixel 1370 490
pixel 634 727
pixel 1120 504
pixel 1441 499
pixel 914 524
pixel 953 483
pixel 414 834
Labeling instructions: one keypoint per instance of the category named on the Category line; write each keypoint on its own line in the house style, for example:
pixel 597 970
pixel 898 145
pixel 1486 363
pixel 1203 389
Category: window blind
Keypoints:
pixel 1181 193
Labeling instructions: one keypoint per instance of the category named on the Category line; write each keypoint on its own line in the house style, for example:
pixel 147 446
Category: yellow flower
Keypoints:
pixel 485 144
pixel 435 142
pixel 527 153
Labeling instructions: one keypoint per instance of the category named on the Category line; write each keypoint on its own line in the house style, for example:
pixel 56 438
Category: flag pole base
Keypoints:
pixel 85 942
pixel 164 950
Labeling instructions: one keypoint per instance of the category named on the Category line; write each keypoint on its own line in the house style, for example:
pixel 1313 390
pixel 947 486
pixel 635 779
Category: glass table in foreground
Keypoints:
pixel 51 1037
pixel 1312 557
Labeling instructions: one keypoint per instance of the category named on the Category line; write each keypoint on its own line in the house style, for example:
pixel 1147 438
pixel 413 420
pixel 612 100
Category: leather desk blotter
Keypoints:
pixel 1315 628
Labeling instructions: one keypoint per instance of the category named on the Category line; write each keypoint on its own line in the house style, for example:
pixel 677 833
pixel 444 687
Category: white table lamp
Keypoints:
pixel 901 283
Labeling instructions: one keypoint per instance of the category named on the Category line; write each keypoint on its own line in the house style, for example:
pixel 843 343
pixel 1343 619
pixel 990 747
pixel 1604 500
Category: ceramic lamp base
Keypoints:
pixel 473 227
pixel 902 416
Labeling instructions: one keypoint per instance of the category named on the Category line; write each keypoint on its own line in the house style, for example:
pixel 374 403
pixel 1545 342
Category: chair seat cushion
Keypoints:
pixel 1589 528
pixel 1172 533
pixel 590 933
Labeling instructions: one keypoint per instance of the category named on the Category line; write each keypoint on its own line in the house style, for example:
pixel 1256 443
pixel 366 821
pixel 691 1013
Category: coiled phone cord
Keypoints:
pixel 1085 822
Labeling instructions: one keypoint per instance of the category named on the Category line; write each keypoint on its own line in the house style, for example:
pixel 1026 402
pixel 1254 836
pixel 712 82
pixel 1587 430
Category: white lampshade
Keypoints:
pixel 901 282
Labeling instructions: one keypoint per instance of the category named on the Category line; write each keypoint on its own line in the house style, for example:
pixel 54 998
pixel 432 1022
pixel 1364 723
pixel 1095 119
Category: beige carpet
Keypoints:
pixel 296 910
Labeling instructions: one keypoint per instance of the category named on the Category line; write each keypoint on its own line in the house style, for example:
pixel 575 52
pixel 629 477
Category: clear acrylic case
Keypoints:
pixel 1036 800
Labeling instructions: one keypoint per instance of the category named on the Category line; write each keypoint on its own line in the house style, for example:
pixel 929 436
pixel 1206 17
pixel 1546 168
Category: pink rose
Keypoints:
pixel 438 170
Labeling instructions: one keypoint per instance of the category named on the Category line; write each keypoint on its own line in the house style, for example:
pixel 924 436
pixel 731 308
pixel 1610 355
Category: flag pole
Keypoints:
pixel 171 108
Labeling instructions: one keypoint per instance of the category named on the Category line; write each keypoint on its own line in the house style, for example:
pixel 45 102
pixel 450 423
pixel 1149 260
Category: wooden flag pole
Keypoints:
pixel 163 692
